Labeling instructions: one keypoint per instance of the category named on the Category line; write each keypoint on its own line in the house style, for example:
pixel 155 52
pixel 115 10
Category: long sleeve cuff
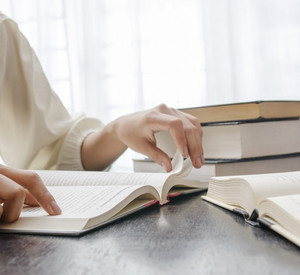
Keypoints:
pixel 70 154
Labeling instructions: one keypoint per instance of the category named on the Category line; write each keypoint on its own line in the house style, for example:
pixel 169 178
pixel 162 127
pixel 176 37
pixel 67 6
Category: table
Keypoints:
pixel 186 236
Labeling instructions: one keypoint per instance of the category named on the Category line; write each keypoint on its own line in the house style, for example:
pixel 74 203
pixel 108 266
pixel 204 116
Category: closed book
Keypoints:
pixel 237 140
pixel 225 167
pixel 246 111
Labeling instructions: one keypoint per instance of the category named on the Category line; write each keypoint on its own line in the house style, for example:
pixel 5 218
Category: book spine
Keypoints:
pixel 151 203
pixel 252 220
pixel 241 212
pixel 174 195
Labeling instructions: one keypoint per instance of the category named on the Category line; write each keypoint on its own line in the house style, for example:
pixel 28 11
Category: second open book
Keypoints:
pixel 91 199
pixel 271 200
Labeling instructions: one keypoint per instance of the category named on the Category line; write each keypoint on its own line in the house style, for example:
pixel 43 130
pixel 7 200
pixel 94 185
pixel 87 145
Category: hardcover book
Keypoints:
pixel 229 167
pixel 238 140
pixel 253 110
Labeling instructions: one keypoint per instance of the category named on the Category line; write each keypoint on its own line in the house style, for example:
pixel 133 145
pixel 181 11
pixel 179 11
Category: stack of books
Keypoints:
pixel 242 138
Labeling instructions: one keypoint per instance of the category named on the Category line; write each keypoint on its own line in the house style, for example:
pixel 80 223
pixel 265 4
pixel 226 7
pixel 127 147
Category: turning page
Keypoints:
pixel 163 182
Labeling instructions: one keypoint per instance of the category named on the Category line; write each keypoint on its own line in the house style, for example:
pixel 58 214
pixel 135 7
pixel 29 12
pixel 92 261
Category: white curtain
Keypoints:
pixel 112 57
pixel 252 49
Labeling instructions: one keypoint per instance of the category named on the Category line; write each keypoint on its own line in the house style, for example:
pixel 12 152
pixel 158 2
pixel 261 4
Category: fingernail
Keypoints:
pixel 164 165
pixel 198 162
pixel 55 208
pixel 185 151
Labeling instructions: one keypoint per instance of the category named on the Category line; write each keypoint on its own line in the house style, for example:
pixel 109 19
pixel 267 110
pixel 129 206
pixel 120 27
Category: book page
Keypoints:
pixel 249 190
pixel 86 178
pixel 81 206
pixel 177 177
pixel 181 169
pixel 89 201
pixel 284 211
pixel 275 184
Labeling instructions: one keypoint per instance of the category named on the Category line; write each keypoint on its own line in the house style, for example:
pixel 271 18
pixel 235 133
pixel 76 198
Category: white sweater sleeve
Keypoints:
pixel 36 130
pixel 69 157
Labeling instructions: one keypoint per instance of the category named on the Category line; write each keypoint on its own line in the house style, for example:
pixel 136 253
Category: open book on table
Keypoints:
pixel 271 200
pixel 91 199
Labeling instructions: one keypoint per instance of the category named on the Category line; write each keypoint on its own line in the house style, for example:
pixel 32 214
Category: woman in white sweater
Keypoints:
pixel 37 132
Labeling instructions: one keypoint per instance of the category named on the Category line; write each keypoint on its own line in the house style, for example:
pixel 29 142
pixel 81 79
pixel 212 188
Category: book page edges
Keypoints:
pixel 27 226
pixel 280 230
pixel 283 109
pixel 74 225
pixel 189 187
pixel 229 112
pixel 131 208
pixel 184 191
pixel 245 111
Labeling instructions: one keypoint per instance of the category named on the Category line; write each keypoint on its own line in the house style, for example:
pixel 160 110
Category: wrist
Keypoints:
pixel 100 149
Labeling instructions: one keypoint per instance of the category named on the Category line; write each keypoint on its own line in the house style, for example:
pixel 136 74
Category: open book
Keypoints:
pixel 91 199
pixel 271 200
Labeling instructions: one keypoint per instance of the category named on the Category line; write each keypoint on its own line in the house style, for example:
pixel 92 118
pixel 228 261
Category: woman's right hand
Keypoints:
pixel 19 186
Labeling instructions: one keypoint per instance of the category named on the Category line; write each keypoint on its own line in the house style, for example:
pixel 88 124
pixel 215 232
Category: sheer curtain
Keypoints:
pixel 251 49
pixel 112 57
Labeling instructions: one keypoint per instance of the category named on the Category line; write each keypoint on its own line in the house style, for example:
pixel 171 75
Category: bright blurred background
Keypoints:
pixel 108 58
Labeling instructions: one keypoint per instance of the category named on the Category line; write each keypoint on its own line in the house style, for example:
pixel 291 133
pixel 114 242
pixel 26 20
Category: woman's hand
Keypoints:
pixel 21 186
pixel 137 132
